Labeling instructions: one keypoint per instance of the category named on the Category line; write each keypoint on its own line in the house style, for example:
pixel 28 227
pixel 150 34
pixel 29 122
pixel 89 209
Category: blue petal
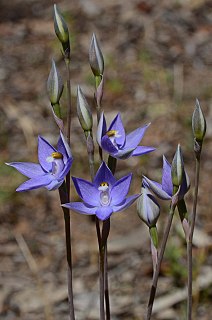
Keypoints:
pixel 120 190
pixel 134 138
pixel 29 169
pixel 87 191
pixel 140 150
pixel 124 154
pixel 103 213
pixel 157 189
pixel 184 186
pixel 108 146
pixel 117 125
pixel 66 168
pixel 55 184
pixel 104 175
pixel 35 183
pixel 126 203
pixel 167 177
pixel 101 129
pixel 80 207
pixel 63 147
pixel 44 151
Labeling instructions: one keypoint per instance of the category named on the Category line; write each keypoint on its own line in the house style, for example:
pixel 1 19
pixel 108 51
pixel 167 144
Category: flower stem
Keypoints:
pixel 197 150
pixel 160 258
pixel 69 115
pixel 102 264
pixel 112 164
pixel 63 199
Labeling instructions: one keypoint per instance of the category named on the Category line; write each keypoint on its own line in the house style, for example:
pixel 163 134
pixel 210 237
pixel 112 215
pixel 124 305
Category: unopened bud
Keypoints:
pixel 198 123
pixel 54 85
pixel 61 30
pixel 84 111
pixel 147 208
pixel 96 58
pixel 177 167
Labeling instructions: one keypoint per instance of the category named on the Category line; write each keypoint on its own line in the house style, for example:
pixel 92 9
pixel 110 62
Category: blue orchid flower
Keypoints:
pixel 119 145
pixel 164 190
pixel 52 170
pixel 104 195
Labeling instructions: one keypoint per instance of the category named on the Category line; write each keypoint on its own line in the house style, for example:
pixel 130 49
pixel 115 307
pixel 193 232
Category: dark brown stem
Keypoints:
pixel 64 199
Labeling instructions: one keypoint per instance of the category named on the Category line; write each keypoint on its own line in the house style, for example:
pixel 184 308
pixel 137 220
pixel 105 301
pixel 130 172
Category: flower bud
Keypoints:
pixel 198 123
pixel 54 85
pixel 177 167
pixel 61 30
pixel 96 58
pixel 84 111
pixel 147 208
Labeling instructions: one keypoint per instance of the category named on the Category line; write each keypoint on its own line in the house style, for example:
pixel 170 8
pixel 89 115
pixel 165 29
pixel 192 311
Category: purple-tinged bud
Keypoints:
pixel 84 111
pixel 54 85
pixel 198 123
pixel 177 167
pixel 61 31
pixel 147 208
pixel 96 58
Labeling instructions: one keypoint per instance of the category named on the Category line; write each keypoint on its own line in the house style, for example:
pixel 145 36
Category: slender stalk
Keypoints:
pixel 160 258
pixel 189 245
pixel 112 164
pixel 69 115
pixel 63 199
pixel 107 297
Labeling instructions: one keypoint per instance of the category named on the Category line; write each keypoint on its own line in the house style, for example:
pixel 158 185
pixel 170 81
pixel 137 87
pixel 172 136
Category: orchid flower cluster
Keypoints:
pixel 104 195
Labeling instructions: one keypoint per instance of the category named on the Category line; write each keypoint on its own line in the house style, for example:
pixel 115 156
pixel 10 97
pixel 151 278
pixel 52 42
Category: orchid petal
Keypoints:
pixel 120 190
pixel 134 138
pixel 157 189
pixel 80 207
pixel 66 168
pixel 126 203
pixel 44 151
pixel 87 191
pixel 29 169
pixel 63 147
pixel 103 213
pixel 35 183
pixel 104 175
pixel 108 146
pixel 101 129
pixel 140 150
pixel 124 154
pixel 167 177
pixel 117 125
pixel 55 184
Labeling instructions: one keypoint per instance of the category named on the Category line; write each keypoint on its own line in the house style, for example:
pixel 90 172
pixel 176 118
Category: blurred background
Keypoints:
pixel 157 61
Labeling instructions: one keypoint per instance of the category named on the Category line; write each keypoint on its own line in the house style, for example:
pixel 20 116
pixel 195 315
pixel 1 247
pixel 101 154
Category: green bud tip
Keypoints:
pixel 177 167
pixel 84 111
pixel 96 58
pixel 61 30
pixel 198 123
pixel 54 85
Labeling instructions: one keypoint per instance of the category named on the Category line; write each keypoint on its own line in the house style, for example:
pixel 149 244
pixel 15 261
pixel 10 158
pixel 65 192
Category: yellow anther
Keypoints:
pixel 104 184
pixel 57 155
pixel 111 133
